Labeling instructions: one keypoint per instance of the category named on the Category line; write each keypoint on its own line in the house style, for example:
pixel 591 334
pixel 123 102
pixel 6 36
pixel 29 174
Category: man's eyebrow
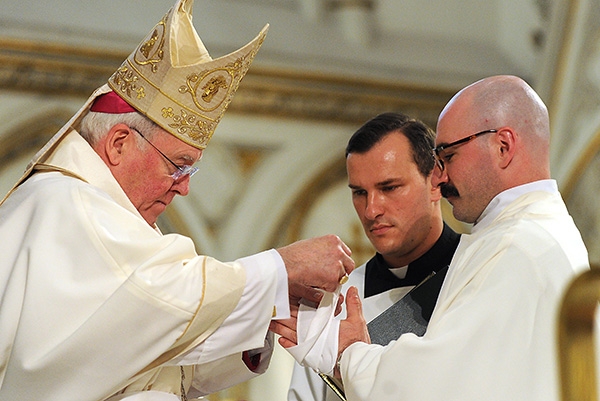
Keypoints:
pixel 388 182
pixel 187 159
pixel 384 183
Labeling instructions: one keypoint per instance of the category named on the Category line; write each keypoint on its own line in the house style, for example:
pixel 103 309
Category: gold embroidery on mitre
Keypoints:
pixel 153 48
pixel 209 84
pixel 190 125
pixel 218 85
pixel 212 88
pixel 126 80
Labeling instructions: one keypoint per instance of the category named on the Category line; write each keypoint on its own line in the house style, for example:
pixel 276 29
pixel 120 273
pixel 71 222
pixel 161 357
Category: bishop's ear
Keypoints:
pixel 117 141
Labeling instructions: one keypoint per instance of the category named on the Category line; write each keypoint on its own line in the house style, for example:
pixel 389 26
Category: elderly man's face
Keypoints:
pixel 148 182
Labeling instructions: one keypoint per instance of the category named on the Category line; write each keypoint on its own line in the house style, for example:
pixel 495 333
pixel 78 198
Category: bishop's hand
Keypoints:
pixel 317 262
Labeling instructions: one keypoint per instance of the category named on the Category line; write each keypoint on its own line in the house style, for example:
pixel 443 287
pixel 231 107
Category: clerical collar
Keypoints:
pixel 379 278
pixel 399 272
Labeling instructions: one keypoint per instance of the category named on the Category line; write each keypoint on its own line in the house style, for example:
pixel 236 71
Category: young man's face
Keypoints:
pixel 396 204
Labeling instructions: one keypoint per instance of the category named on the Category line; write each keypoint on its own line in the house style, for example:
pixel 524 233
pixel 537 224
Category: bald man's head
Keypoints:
pixel 505 101
pixel 515 149
pixel 508 100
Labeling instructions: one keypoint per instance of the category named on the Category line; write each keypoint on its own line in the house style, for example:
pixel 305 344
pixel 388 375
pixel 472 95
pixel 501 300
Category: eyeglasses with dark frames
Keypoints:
pixel 437 151
pixel 180 171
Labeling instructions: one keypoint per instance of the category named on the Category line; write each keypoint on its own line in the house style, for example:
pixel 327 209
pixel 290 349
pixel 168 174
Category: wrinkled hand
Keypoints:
pixel 299 291
pixel 354 327
pixel 317 262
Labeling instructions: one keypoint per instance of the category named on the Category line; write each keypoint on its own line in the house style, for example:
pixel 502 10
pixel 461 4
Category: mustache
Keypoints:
pixel 449 190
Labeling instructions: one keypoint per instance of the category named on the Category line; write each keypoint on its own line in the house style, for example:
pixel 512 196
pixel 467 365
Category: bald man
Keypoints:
pixel 492 333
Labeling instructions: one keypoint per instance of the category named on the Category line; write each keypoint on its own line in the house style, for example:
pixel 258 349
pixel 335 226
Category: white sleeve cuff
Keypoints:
pixel 281 308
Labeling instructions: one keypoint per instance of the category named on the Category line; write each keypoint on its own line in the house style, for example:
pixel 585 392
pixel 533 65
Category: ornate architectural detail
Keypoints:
pixel 43 67
pixel 77 71
pixel 28 137
pixel 366 4
pixel 572 81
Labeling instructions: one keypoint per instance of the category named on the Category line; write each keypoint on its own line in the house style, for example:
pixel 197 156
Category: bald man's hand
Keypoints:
pixel 354 327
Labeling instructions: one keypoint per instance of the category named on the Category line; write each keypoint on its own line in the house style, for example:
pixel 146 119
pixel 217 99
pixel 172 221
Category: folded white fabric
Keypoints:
pixel 146 396
pixel 317 332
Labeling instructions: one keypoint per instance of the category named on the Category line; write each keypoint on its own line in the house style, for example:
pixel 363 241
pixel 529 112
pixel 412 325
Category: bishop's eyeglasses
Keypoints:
pixel 180 170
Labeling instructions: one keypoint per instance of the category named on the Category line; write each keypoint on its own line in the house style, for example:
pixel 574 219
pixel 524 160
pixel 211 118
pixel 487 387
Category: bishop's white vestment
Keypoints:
pixel 95 302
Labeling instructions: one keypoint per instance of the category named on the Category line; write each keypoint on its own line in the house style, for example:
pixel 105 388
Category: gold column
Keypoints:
pixel 577 356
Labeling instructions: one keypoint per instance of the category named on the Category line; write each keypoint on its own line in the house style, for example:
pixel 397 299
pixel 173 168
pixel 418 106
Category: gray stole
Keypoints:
pixel 410 314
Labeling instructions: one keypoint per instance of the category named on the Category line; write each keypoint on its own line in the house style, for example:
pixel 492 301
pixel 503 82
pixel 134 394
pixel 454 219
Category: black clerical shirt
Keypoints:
pixel 410 314
pixel 379 278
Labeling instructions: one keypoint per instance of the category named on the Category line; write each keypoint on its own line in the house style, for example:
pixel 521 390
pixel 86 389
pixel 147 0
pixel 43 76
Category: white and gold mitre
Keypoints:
pixel 171 78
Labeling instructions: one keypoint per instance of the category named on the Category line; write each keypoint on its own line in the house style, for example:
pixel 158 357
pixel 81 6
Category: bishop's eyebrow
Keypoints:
pixel 187 159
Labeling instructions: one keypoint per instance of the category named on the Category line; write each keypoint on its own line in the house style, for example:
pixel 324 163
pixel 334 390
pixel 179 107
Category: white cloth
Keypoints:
pixel 314 331
pixel 146 396
pixel 492 335
pixel 306 385
pixel 93 299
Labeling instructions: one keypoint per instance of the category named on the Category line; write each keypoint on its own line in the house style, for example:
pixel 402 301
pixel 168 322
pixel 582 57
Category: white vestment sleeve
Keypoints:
pixel 306 385
pixel 229 371
pixel 244 329
pixel 146 396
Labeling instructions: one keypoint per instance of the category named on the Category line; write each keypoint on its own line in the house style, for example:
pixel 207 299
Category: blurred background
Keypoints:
pixel 274 171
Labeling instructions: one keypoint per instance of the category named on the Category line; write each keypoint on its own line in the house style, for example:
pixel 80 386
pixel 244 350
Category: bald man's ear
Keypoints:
pixel 116 141
pixel 506 144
